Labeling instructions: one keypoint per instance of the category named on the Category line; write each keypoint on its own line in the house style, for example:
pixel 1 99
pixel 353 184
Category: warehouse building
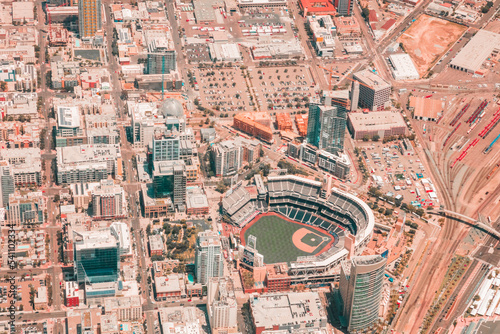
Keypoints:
pixel 384 124
pixel 479 48
pixel 426 109
pixel 402 67
pixel 225 52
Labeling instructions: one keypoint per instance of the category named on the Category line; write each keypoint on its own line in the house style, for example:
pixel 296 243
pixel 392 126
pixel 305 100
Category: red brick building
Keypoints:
pixel 255 124
pixel 277 278
pixel 71 297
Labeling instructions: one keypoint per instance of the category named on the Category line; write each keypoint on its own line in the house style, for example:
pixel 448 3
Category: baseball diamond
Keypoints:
pixel 280 239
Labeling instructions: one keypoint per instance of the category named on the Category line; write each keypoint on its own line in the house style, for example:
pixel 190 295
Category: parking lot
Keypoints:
pixel 398 175
pixel 197 53
pixel 279 88
pixel 224 90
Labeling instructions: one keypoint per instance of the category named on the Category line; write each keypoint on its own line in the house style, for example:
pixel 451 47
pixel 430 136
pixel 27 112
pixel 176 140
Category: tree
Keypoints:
pixel 365 12
pixel 366 138
pixel 148 230
pixel 248 280
pixel 138 278
pixel 3 86
pixel 376 138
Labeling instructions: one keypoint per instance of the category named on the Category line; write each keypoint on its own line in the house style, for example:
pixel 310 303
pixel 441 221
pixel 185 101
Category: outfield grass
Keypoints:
pixel 274 239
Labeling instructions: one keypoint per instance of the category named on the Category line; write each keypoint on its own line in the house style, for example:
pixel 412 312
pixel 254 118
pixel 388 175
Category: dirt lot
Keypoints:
pixel 428 38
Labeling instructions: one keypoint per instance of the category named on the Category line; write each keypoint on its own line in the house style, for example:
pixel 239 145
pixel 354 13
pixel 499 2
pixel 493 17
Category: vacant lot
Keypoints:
pixel 427 39
pixel 275 236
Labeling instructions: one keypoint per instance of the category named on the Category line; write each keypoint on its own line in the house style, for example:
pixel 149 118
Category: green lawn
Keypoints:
pixel 274 239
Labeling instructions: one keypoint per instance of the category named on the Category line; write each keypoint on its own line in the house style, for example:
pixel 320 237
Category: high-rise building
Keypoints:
pixel 326 127
pixel 169 180
pixel 165 147
pixel 226 158
pixel 162 57
pixel 89 17
pixel 208 257
pixel 344 7
pixel 161 61
pixel 97 256
pixel 221 305
pixel 6 183
pixel 108 200
pixel 361 281
pixel 373 91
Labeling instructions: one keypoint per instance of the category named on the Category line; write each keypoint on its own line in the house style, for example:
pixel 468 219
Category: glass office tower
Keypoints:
pixel 361 282
pixel 326 127
pixel 97 256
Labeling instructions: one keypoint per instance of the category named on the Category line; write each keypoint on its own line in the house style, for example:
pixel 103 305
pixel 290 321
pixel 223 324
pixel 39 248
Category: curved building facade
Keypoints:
pixel 361 282
pixel 338 213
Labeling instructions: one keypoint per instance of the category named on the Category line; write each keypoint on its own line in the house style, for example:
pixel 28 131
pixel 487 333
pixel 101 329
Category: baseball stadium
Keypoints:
pixel 302 222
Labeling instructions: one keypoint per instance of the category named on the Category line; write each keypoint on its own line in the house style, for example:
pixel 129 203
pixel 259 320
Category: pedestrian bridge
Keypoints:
pixel 468 220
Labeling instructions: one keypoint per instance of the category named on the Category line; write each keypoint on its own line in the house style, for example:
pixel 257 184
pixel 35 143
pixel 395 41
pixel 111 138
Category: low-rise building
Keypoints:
pixel 277 278
pixel 182 320
pixel 196 201
pixel 292 311
pixel 402 67
pixel 155 245
pixel 125 308
pixel 88 163
pixel 383 124
pixel 317 7
pixel 41 298
pixel 71 294
pixel 154 207
pixel 26 165
pixel 324 32
pixel 426 109
pixel 170 286
pixel 255 124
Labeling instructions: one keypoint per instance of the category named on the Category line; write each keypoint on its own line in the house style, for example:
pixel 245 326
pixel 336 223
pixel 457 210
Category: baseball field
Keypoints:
pixel 282 240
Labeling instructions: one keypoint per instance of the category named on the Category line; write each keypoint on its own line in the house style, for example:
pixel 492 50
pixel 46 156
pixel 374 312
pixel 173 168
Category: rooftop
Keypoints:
pixel 155 242
pixel 403 67
pixel 374 121
pixel 170 283
pixel 479 48
pixel 371 79
pixel 426 108
pixel 284 309
pixel 195 198
pixel 94 239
